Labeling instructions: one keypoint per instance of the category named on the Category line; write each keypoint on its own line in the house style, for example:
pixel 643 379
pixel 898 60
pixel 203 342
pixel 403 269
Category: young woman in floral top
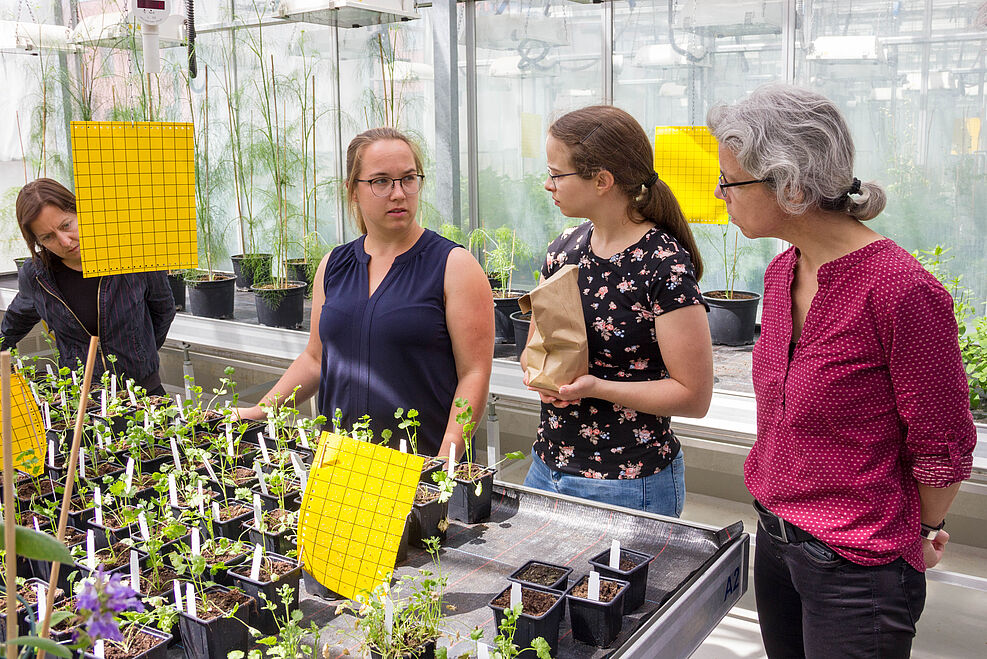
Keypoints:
pixel 606 435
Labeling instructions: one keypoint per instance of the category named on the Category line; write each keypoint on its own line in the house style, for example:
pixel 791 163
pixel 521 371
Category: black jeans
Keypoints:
pixel 812 602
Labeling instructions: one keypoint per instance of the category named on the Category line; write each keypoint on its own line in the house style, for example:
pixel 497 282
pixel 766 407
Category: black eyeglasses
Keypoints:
pixel 724 185
pixel 555 177
pixel 382 186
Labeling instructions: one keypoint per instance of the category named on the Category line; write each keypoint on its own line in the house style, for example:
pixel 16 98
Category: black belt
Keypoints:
pixel 778 528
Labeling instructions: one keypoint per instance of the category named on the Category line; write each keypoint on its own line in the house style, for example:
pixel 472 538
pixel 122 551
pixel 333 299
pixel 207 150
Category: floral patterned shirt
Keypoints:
pixel 621 297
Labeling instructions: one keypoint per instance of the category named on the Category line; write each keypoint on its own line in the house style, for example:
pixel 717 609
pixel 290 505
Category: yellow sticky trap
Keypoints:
pixel 27 432
pixel 356 501
pixel 686 159
pixel 135 196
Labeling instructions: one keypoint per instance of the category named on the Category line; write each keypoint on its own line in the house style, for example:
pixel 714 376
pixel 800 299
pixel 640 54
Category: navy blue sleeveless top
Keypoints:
pixel 392 349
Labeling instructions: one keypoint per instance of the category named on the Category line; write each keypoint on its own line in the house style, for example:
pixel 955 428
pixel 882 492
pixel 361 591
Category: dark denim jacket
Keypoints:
pixel 135 312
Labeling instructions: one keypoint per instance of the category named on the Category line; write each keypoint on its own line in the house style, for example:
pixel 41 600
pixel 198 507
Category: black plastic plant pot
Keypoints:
pixel 230 528
pixel 466 505
pixel 522 324
pixel 158 651
pixel 112 535
pixel 637 575
pixel 402 554
pixel 298 271
pixel 216 637
pixel 273 543
pixel 432 465
pixel 427 519
pixel 546 575
pixel 732 321
pixel 23 626
pixel 314 588
pixel 281 307
pixel 212 298
pixel 251 268
pixel 177 282
pixel 21 260
pixel 530 627
pixel 264 619
pixel 426 652
pixel 273 501
pixel 597 622
pixel 503 308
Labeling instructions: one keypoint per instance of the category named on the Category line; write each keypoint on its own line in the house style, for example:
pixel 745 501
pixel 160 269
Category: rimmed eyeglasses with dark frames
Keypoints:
pixel 555 177
pixel 724 185
pixel 382 186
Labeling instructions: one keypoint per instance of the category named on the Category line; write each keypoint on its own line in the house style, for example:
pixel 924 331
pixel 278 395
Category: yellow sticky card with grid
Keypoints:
pixel 135 196
pixel 356 501
pixel 27 431
pixel 686 159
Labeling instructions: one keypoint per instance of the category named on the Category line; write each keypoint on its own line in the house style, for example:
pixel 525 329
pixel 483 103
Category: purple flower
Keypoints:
pixel 100 599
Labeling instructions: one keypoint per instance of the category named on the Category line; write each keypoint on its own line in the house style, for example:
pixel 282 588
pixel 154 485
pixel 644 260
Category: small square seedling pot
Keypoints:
pixel 637 576
pixel 596 622
pixel 560 583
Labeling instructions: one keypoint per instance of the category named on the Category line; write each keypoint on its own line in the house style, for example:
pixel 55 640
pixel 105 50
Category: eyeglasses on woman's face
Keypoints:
pixel 383 185
pixel 724 184
pixel 555 177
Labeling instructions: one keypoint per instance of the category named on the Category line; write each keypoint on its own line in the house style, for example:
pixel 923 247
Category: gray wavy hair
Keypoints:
pixel 799 141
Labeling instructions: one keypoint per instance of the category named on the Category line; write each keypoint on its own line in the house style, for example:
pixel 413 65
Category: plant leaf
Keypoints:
pixel 40 546
pixel 46 644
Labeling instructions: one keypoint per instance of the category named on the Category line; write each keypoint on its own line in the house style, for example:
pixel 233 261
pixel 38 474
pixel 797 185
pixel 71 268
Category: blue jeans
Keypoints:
pixel 662 493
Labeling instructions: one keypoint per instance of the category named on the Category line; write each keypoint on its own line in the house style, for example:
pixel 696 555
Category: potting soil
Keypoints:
pixel 523 526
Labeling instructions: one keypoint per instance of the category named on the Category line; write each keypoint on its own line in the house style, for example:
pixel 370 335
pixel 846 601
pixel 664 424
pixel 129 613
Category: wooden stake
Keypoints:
pixel 73 459
pixel 8 510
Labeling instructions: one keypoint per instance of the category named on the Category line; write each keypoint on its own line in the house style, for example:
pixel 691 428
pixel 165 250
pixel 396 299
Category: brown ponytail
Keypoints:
pixel 604 137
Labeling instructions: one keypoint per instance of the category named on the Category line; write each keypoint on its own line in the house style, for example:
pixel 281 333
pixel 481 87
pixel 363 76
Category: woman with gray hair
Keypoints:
pixel 864 427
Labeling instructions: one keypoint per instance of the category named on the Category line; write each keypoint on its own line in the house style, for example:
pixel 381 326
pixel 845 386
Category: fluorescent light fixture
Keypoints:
pixel 855 48
pixel 20 36
pixel 346 13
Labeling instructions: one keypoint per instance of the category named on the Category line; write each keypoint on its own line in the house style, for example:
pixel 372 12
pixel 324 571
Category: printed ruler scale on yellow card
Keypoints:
pixel 686 159
pixel 356 501
pixel 27 431
pixel 135 196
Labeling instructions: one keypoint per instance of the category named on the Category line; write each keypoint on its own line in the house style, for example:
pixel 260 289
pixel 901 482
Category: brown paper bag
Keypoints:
pixel 557 353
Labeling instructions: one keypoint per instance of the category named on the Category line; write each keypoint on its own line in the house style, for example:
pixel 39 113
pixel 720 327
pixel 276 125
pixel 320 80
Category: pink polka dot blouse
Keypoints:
pixel 873 401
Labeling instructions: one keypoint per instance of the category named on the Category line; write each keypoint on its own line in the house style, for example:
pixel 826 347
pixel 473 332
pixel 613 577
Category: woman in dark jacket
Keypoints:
pixel 131 313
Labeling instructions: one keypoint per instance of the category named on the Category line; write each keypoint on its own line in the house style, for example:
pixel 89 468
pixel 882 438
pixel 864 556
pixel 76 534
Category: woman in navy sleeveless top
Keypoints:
pixel 401 318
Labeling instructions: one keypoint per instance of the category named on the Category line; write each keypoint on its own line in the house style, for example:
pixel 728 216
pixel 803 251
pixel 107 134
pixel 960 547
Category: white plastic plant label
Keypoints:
pixel 261 478
pixel 257 511
pixel 90 550
pixel 271 432
pixel 196 542
pixel 174 455
pixel 181 408
pixel 147 420
pixel 300 472
pixel 39 592
pixel 98 506
pixel 75 378
pixel 211 472
pixel 102 403
pixel 178 596
pixel 129 477
pixel 229 446
pixel 113 386
pixel 264 454
pixel 51 373
pixel 99 649
pixel 135 571
pixel 190 600
pixel 388 616
pixel 482 652
pixel 142 525
pixel 515 594
pixel 130 392
pixel 34 391
pixel 255 563
pixel 82 463
pixel 51 453
pixel 215 511
pixel 614 555
pixel 202 496
pixel 46 413
pixel 303 436
pixel 403 445
pixel 172 490
pixel 593 587
pixel 65 404
pixel 451 467
pixel 36 526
